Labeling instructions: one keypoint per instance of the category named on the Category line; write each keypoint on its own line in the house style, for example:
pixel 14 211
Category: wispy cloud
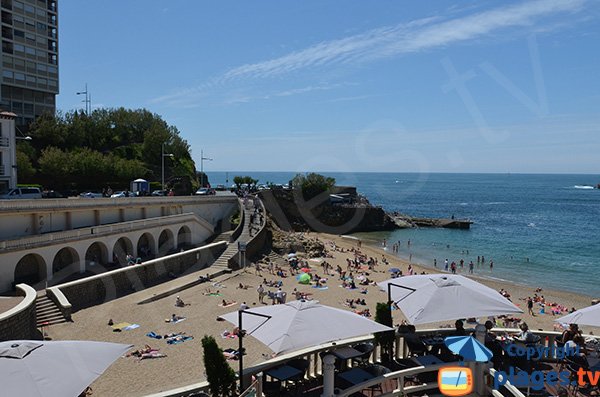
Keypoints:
pixel 385 42
pixel 419 35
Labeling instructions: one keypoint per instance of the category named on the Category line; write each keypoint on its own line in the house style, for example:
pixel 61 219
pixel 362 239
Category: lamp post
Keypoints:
pixel 162 157
pixel 202 158
pixel 87 100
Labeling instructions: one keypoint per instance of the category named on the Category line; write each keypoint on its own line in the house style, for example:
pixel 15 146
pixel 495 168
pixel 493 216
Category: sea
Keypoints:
pixel 539 230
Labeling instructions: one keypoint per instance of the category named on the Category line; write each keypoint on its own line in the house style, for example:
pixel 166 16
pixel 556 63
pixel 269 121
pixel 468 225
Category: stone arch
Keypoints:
pixel 65 263
pixel 31 269
pixel 145 246
pixel 166 242
pixel 96 254
pixel 184 237
pixel 122 248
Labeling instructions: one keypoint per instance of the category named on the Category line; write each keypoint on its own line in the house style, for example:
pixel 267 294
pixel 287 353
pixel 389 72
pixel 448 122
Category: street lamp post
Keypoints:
pixel 87 100
pixel 162 157
pixel 202 158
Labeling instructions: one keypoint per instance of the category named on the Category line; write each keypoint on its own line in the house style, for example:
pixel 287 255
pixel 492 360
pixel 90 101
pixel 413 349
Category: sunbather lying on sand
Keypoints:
pixel 225 303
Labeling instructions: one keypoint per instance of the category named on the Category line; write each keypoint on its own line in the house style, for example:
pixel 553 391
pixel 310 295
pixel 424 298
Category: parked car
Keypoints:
pixel 204 191
pixel 27 193
pixel 122 193
pixel 51 194
pixel 91 195
pixel 220 188
pixel 159 193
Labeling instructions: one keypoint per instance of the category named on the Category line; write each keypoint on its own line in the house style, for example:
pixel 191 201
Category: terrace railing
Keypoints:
pixel 315 369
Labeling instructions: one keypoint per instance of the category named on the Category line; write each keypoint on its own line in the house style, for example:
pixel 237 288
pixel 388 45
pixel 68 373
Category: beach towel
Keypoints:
pixel 153 334
pixel 130 327
pixel 228 335
pixel 178 341
pixel 324 287
pixel 153 354
pixel 213 294
pixel 228 305
pixel 179 320
pixel 120 326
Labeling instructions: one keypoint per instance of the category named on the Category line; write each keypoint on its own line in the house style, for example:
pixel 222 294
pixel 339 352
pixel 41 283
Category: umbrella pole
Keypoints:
pixel 241 350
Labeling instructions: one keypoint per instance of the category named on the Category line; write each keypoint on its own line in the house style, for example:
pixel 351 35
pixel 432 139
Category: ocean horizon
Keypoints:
pixel 541 230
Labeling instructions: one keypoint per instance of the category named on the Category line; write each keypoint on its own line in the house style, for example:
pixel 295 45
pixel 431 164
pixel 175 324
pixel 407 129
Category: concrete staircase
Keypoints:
pixel 46 311
pixel 232 249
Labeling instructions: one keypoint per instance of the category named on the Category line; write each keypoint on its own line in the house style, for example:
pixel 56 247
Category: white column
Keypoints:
pixel 328 375
pixel 479 368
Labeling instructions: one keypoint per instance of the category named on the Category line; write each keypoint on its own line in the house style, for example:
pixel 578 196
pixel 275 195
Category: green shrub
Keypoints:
pixel 221 377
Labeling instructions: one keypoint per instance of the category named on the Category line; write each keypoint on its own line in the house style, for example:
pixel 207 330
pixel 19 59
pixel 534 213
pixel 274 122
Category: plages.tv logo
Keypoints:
pixel 458 380
pixel 455 381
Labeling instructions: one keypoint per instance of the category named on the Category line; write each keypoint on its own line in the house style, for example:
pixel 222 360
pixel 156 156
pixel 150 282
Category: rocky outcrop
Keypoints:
pixel 292 213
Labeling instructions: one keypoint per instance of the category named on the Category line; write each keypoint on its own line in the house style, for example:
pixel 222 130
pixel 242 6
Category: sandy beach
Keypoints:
pixel 183 362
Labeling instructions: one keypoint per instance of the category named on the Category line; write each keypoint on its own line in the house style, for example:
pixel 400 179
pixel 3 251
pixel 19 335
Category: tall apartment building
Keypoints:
pixel 29 58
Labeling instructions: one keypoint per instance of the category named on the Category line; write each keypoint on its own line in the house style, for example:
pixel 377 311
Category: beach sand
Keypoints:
pixel 183 364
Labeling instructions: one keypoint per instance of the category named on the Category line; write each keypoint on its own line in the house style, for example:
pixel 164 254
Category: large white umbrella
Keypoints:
pixel 441 297
pixel 587 316
pixel 53 368
pixel 298 324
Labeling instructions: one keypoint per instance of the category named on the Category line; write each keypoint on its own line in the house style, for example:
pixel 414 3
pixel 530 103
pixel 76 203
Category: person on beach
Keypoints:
pixel 491 266
pixel 434 262
pixel 261 293
pixel 530 306
pixel 471 266
pixel 446 264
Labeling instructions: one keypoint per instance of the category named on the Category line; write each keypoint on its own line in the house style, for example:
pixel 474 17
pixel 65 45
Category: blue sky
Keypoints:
pixel 436 86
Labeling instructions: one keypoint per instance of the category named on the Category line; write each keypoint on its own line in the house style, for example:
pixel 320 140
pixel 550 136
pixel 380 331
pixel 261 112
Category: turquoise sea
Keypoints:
pixel 540 230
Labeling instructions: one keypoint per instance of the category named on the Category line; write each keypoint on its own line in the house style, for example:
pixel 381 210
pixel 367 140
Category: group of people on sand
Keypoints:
pixel 545 307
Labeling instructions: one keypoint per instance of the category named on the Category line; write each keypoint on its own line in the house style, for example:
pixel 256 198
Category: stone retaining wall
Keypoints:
pixel 111 285
pixel 20 321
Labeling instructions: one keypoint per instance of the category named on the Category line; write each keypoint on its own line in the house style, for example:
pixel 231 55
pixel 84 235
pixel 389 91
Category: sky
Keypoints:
pixel 349 86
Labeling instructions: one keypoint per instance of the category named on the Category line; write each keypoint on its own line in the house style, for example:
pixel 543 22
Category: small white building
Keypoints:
pixel 8 151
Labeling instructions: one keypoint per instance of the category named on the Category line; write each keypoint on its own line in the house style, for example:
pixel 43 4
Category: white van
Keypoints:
pixel 27 193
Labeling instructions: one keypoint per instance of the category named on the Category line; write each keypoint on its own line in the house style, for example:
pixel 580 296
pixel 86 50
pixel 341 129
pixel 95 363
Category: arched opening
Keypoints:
pixel 31 269
pixel 184 238
pixel 65 263
pixel 145 247
pixel 96 255
pixel 165 242
pixel 122 248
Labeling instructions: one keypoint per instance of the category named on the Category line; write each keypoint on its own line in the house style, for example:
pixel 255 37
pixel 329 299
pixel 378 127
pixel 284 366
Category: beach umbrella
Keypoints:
pixel 54 368
pixel 394 270
pixel 299 324
pixel 469 348
pixel 303 278
pixel 441 297
pixel 587 316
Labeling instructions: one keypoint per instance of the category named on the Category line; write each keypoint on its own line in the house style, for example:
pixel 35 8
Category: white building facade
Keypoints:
pixel 8 151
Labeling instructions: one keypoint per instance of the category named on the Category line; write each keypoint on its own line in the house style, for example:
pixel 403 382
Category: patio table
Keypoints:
pixel 427 360
pixel 346 353
pixel 283 372
pixel 356 376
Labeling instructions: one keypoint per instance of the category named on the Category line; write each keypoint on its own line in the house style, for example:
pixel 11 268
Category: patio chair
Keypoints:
pixel 302 365
pixel 415 345
pixel 366 349
pixel 377 370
